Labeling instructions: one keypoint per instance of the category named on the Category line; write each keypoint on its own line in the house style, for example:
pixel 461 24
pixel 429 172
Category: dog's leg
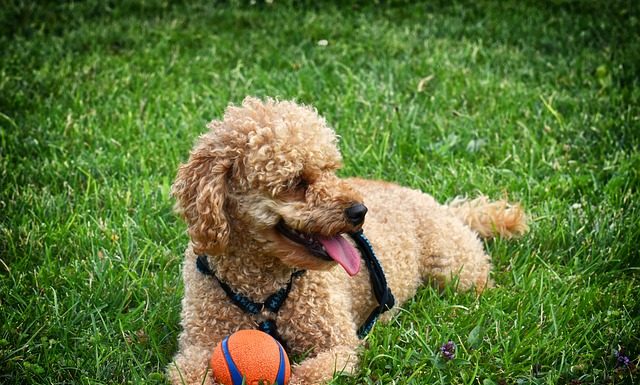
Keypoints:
pixel 325 327
pixel 453 250
pixel 321 368
pixel 204 324
pixel 190 366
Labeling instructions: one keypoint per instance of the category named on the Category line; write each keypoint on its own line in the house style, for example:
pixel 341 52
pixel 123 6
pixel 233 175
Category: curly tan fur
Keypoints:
pixel 267 162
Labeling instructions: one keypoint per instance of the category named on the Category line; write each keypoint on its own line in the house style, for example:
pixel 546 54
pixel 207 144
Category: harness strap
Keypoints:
pixel 381 290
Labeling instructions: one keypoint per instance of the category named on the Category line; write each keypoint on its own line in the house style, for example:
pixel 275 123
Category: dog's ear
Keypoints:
pixel 200 190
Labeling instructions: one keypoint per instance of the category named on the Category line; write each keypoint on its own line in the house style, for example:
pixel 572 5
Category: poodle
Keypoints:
pixel 267 214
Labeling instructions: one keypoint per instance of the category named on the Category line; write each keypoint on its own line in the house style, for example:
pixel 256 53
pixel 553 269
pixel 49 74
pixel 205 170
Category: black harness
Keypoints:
pixel 275 301
pixel 381 290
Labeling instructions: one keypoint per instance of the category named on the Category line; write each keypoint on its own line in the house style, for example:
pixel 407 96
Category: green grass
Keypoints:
pixel 99 103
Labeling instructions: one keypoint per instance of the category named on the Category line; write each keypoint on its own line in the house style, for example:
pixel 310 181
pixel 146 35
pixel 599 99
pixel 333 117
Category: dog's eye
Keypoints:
pixel 301 185
pixel 294 190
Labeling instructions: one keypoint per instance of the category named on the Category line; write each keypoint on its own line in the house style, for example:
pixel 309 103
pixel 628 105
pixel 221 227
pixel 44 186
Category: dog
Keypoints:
pixel 267 214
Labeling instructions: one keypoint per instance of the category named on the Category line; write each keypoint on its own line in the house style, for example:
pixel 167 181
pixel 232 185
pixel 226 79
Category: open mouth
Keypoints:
pixel 334 248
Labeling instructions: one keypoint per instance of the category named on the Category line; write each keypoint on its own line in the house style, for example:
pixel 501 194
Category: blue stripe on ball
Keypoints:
pixel 281 368
pixel 236 377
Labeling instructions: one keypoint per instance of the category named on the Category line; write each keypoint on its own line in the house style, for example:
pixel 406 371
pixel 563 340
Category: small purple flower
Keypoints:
pixel 448 350
pixel 622 359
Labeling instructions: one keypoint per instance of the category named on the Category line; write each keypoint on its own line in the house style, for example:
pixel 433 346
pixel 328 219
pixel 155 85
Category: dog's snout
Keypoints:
pixel 355 214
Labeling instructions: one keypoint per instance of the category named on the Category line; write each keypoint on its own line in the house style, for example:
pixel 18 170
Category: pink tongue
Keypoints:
pixel 342 252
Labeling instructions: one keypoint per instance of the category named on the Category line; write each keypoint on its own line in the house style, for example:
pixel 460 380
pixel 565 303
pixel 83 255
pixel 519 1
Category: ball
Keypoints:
pixel 252 356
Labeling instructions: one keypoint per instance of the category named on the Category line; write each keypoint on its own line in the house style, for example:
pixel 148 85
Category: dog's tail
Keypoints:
pixel 490 219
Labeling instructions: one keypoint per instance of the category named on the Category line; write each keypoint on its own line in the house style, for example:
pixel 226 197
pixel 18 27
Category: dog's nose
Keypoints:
pixel 355 214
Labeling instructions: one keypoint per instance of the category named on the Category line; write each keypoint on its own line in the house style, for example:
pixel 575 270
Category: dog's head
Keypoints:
pixel 263 178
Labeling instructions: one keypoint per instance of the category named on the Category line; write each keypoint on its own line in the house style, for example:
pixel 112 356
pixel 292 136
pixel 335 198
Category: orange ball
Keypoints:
pixel 251 355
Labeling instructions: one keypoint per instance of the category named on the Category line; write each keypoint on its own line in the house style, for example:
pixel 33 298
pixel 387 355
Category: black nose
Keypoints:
pixel 355 214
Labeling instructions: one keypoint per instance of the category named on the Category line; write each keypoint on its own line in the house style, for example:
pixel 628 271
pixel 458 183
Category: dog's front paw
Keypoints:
pixel 305 374
pixel 321 368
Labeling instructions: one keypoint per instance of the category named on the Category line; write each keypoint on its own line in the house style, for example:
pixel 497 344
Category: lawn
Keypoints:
pixel 537 101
